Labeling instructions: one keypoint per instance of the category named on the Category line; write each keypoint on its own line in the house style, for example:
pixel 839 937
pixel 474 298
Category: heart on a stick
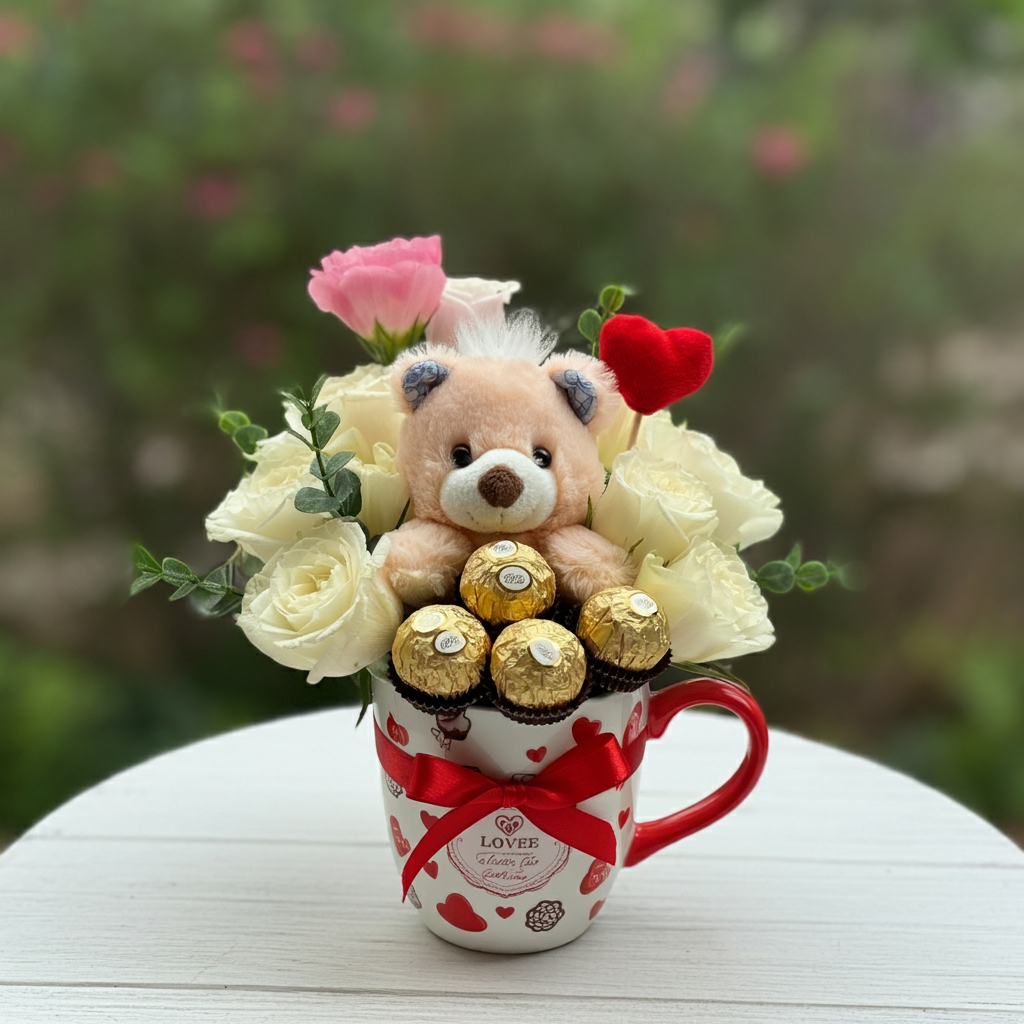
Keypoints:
pixel 654 368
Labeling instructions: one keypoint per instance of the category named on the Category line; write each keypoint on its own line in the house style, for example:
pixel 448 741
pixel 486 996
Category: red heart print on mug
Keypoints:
pixel 402 844
pixel 509 825
pixel 459 913
pixel 397 732
pixel 537 755
pixel 585 729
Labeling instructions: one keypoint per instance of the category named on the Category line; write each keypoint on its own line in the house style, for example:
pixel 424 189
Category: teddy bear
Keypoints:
pixel 500 442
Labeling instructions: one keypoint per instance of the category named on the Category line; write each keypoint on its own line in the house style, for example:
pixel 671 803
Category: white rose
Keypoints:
pixel 321 604
pixel 468 298
pixel 714 609
pixel 747 511
pixel 259 514
pixel 651 505
pixel 383 489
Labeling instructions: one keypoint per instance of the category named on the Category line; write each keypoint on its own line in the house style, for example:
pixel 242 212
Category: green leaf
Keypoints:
pixel 312 499
pixel 249 564
pixel 348 492
pixel 232 420
pixel 812 575
pixel 726 336
pixel 634 547
pixel 144 561
pixel 589 521
pixel 711 669
pixel 304 440
pixel 183 591
pixel 143 582
pixel 295 395
pixel 365 683
pixel 325 423
pixel 795 556
pixel 589 325
pixel 337 461
pixel 215 605
pixel 612 298
pixel 778 577
pixel 177 572
pixel 315 393
pixel 247 437
pixel 217 581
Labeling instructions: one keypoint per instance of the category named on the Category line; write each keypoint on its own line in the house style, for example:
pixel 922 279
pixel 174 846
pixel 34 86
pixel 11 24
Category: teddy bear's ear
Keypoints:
pixel 587 385
pixel 416 375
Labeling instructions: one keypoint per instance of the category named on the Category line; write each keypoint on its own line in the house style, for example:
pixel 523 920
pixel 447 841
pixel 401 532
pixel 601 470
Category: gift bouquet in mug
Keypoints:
pixel 503 545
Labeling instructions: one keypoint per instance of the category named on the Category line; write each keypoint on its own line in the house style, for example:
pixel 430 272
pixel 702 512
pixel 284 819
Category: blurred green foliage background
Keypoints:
pixel 844 178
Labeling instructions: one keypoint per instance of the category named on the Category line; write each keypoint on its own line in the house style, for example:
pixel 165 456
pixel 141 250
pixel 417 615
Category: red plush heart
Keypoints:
pixel 458 911
pixel 654 368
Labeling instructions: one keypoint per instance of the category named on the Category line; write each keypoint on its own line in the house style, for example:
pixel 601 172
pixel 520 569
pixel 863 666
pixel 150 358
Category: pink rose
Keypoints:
pixel 391 289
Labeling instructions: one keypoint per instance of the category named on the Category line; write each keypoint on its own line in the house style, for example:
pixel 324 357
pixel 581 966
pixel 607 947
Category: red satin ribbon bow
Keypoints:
pixel 548 800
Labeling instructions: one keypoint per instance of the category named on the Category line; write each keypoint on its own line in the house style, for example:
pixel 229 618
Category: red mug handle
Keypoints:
pixel 651 836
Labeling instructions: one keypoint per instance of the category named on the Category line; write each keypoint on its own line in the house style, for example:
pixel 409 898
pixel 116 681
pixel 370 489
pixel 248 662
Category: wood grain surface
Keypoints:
pixel 248 878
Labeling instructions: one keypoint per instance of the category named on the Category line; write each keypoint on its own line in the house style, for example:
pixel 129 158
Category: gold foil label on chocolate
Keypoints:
pixel 441 650
pixel 538 664
pixel 624 627
pixel 507 581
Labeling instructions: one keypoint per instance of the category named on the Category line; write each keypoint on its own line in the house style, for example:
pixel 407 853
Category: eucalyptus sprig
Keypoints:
pixel 216 593
pixel 609 302
pixel 779 577
pixel 241 430
pixel 340 492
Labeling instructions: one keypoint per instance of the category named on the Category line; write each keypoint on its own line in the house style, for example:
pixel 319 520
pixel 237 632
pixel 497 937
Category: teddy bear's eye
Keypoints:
pixel 461 456
pixel 542 457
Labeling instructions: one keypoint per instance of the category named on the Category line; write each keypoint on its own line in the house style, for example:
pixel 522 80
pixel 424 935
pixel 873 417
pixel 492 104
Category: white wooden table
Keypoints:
pixel 249 878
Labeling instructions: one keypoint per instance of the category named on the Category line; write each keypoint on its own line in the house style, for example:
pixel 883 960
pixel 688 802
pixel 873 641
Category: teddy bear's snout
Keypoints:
pixel 500 486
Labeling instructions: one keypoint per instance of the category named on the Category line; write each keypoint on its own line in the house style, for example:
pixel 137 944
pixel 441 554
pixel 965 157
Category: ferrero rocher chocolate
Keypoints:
pixel 538 664
pixel 505 581
pixel 624 627
pixel 441 650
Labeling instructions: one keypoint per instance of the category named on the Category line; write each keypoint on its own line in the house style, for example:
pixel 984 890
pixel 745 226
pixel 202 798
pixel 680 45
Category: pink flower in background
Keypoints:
pixel 565 38
pixel 213 196
pixel 461 28
pixel 252 48
pixel 351 110
pixel 688 85
pixel 318 51
pixel 778 151
pixel 396 284
pixel 16 34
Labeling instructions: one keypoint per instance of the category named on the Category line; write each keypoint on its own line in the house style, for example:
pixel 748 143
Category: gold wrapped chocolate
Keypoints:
pixel 505 581
pixel 538 664
pixel 624 627
pixel 441 650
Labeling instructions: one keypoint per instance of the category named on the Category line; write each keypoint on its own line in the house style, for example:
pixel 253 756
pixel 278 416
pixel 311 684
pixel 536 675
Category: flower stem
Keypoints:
pixel 635 432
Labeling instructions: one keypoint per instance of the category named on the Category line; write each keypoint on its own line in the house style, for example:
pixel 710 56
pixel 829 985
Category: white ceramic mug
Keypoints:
pixel 504 884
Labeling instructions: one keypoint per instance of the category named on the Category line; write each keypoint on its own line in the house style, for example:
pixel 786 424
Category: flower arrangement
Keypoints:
pixel 313 516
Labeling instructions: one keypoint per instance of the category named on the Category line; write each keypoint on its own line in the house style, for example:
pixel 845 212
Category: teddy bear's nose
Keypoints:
pixel 500 486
